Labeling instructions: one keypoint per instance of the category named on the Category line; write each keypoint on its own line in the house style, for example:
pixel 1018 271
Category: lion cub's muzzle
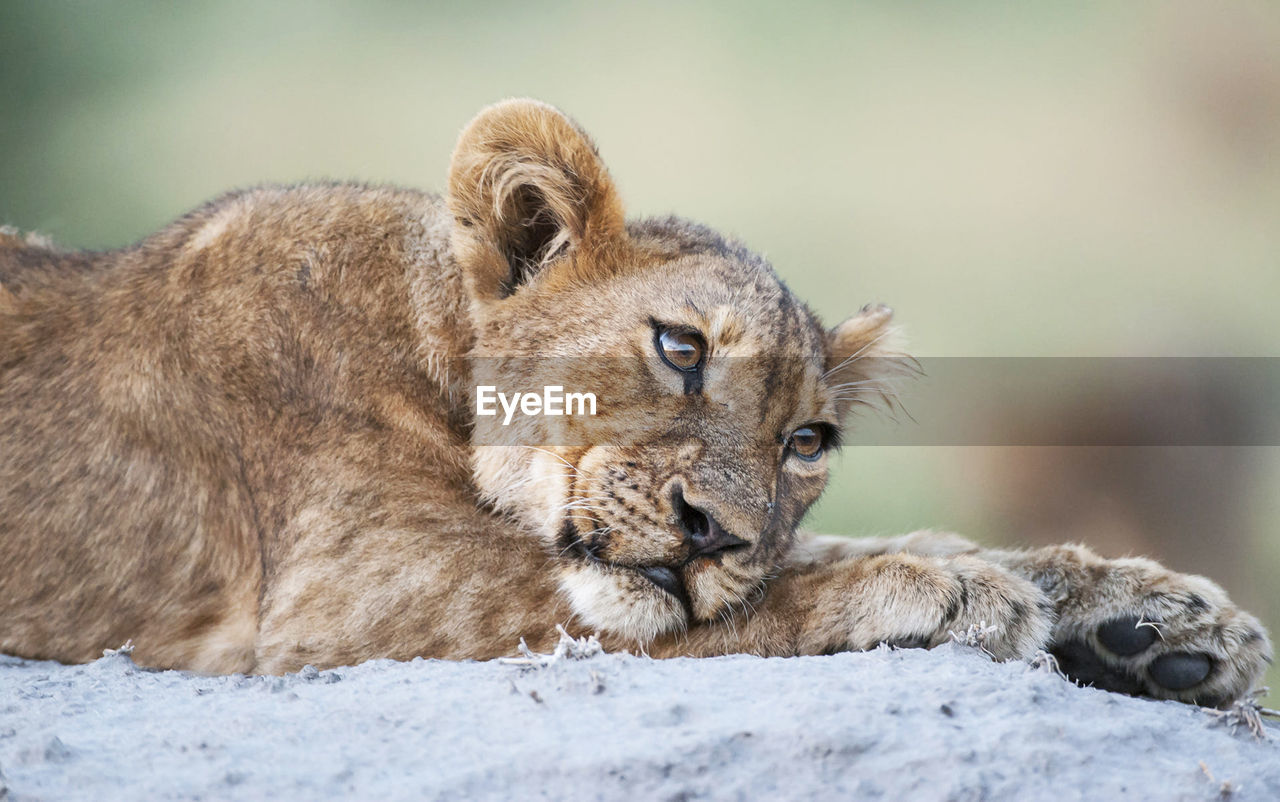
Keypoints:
pixel 703 538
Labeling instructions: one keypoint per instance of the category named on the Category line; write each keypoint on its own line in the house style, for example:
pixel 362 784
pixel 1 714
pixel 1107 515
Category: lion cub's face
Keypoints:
pixel 718 395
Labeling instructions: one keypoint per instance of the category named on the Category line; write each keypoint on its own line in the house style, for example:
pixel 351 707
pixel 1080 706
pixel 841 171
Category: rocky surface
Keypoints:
pixel 944 724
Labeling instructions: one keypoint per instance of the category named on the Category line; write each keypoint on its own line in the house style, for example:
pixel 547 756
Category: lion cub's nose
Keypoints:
pixel 702 533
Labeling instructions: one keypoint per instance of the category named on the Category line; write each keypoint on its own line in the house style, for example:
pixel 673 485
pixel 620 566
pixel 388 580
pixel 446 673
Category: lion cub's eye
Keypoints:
pixel 682 350
pixel 807 443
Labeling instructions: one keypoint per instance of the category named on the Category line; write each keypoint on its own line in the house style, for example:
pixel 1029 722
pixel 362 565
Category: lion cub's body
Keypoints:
pixel 246 444
pixel 179 420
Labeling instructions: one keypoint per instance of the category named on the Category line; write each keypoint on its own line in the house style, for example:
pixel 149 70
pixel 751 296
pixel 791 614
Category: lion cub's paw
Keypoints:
pixel 1138 628
pixel 913 601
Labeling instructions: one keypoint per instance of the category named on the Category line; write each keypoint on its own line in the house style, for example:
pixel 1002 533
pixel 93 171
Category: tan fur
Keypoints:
pixel 248 443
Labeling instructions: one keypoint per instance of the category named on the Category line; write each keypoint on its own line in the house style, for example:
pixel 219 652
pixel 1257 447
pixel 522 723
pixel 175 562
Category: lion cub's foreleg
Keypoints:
pixel 859 600
pixel 1127 625
pixel 915 599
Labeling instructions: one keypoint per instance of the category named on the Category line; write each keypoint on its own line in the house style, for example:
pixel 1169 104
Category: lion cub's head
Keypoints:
pixel 718 394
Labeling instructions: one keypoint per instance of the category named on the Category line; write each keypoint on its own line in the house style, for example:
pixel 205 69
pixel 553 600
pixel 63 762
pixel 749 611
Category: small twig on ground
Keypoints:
pixel 126 650
pixel 976 636
pixel 568 648
pixel 1247 713
pixel 1225 789
pixel 1265 711
pixel 1045 663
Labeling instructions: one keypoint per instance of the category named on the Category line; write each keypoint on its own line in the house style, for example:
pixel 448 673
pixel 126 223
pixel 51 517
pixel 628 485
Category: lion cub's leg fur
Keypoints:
pixel 1126 625
pixel 859 602
pixel 825 548
pixel 339 600
pixel 122 515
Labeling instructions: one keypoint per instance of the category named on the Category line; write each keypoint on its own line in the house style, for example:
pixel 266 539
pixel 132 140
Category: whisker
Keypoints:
pixel 856 355
pixel 567 463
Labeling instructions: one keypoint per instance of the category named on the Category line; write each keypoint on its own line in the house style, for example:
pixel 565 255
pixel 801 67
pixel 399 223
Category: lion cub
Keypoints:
pixel 250 442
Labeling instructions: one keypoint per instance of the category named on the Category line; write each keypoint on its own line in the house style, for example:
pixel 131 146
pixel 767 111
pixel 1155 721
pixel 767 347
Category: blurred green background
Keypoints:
pixel 1016 180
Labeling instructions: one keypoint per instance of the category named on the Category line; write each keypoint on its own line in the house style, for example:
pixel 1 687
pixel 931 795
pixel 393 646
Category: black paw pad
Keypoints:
pixel 1125 637
pixel 1180 670
pixel 1079 662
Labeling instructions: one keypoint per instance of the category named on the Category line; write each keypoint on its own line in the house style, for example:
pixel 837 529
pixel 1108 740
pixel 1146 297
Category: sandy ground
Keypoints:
pixel 946 724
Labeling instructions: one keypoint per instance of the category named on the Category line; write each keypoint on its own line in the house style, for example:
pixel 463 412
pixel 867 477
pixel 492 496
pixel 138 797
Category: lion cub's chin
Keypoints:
pixel 620 602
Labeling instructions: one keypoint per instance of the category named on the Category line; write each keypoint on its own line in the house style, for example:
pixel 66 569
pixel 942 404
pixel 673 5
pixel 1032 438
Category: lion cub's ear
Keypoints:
pixel 526 188
pixel 864 357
